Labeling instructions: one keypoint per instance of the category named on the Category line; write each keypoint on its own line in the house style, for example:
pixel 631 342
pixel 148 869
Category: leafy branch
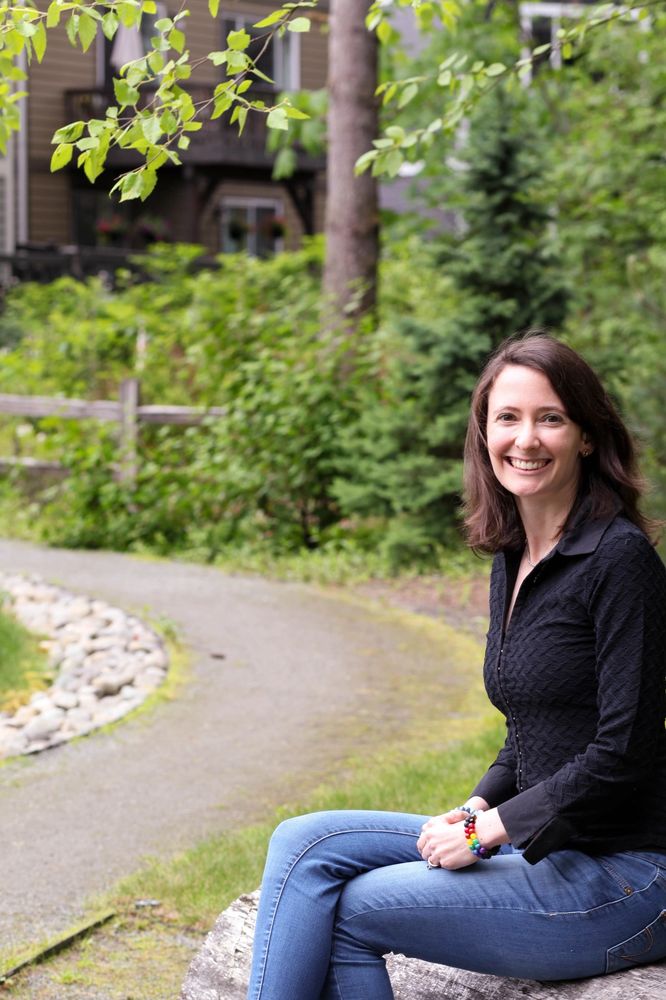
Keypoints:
pixel 463 84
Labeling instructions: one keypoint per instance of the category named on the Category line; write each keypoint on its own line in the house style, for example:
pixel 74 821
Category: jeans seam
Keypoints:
pixel 292 865
pixel 495 907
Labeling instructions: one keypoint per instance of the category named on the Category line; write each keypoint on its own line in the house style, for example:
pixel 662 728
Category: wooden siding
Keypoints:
pixel 49 199
pixel 314 56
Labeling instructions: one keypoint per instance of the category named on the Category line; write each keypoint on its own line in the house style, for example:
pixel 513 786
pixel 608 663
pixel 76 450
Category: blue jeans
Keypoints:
pixel 342 889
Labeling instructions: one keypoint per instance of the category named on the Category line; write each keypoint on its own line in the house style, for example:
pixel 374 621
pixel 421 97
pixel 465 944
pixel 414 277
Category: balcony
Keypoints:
pixel 216 144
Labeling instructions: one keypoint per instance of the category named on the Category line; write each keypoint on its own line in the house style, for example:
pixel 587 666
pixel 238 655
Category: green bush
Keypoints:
pixel 245 337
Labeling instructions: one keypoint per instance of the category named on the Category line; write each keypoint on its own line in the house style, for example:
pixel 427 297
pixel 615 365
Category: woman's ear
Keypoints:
pixel 587 448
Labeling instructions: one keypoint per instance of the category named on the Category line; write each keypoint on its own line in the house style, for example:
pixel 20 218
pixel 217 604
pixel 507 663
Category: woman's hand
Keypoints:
pixel 442 842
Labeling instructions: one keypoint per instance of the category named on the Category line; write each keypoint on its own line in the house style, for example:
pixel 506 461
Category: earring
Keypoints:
pixel 586 452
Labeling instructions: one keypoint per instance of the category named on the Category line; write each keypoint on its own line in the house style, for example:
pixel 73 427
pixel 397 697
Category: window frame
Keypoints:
pixel 289 41
pixel 250 203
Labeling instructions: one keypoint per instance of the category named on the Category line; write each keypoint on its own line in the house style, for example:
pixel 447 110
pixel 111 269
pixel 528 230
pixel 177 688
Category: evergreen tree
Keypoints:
pixel 405 455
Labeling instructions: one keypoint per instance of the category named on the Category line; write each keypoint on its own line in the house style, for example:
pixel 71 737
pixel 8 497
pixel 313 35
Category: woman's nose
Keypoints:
pixel 526 437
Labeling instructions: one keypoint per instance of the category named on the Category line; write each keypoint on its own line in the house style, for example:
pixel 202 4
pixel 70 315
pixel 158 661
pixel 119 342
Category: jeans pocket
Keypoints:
pixel 649 945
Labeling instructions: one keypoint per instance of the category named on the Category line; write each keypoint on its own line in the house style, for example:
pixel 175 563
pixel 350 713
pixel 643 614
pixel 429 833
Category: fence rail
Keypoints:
pixel 127 412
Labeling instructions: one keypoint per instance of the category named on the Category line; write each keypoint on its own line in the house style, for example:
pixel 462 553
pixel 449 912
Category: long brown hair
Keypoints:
pixel 611 471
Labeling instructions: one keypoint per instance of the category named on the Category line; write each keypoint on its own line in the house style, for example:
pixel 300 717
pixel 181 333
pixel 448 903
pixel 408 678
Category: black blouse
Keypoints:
pixel 579 676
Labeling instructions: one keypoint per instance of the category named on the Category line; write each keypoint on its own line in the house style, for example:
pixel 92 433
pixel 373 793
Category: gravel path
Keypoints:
pixel 285 682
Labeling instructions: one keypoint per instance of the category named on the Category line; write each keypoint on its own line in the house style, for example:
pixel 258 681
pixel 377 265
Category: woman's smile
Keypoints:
pixel 524 465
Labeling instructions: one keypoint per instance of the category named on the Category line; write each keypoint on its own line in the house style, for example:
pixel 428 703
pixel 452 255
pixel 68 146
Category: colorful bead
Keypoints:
pixel 473 842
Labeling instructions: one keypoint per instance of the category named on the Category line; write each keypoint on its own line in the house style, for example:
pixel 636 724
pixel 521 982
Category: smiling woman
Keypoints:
pixel 554 866
pixel 23 667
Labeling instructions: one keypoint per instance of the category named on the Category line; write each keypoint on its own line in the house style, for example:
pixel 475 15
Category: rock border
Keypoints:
pixel 107 663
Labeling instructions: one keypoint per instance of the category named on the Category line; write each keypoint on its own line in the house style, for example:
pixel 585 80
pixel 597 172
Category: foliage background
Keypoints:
pixel 350 442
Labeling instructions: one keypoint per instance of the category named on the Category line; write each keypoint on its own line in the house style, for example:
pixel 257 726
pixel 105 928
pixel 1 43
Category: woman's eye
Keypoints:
pixel 505 417
pixel 552 418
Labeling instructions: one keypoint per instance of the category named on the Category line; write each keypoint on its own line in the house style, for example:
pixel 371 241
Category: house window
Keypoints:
pixel 127 44
pixel 280 61
pixel 252 225
pixel 540 23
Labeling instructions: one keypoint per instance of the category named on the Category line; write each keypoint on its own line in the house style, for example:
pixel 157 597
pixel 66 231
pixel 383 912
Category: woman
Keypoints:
pixel 555 866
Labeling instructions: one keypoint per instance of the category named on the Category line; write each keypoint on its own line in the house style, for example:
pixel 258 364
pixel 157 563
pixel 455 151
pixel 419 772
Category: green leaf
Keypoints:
pixel 110 24
pixel 299 24
pixel 149 7
pixel 285 164
pixel 148 182
pixel 90 142
pixel 168 122
pixel 262 76
pixel 25 28
pixel 131 186
pixel 392 162
pixel 156 62
pixel 92 168
pixel 242 117
pixel 87 30
pixel 364 161
pixel 495 69
pixel 266 22
pixel 72 28
pixel 221 104
pixel 213 7
pixel 176 39
pixel 277 118
pixel 53 14
pixel 408 94
pixel 236 61
pixel 238 41
pixel 217 58
pixel 152 129
pixel 39 41
pixel 62 154
pixel 125 95
pixel 296 113
pixel 69 133
pixel 184 142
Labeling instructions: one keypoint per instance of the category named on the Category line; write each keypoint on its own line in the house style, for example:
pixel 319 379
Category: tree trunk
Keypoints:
pixel 221 969
pixel 352 229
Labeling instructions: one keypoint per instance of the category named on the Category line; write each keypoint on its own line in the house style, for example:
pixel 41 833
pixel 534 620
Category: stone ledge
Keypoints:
pixel 107 663
pixel 220 971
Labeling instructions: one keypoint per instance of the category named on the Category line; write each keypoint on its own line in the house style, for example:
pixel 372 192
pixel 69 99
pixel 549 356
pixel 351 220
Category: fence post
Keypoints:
pixel 130 390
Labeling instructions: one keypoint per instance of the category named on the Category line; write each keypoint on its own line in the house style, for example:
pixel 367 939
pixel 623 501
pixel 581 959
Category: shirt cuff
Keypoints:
pixel 531 824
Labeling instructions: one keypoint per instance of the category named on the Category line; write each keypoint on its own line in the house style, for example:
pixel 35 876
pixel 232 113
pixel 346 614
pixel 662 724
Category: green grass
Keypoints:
pixel 196 885
pixel 145 953
pixel 23 666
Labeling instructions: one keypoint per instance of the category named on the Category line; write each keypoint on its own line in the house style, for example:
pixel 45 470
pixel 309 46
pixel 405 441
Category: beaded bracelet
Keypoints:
pixel 465 809
pixel 473 842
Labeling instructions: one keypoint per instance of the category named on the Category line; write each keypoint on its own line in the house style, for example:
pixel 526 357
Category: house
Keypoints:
pixel 222 195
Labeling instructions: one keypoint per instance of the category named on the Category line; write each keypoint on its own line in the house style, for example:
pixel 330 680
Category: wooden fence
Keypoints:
pixel 127 411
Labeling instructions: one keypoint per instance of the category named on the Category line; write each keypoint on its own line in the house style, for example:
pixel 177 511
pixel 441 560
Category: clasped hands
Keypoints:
pixel 442 842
